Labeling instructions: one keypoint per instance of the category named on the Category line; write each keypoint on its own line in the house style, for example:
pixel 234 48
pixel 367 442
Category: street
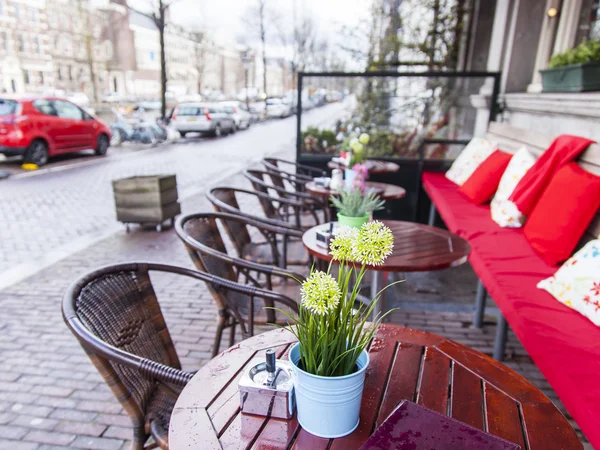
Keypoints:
pixel 49 215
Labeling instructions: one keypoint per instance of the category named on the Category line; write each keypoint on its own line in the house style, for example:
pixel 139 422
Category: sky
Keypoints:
pixel 224 18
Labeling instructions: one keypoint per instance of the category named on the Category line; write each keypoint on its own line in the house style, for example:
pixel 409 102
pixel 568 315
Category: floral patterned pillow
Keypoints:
pixel 577 283
pixel 505 212
pixel 469 159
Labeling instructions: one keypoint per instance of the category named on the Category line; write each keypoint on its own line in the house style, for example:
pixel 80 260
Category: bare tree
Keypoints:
pixel 85 18
pixel 200 44
pixel 259 23
pixel 159 17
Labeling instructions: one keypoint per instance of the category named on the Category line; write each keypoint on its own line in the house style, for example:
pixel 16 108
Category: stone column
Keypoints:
pixel 567 27
pixel 494 62
pixel 545 45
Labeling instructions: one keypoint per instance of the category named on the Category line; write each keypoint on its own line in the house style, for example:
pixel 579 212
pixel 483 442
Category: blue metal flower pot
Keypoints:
pixel 328 407
pixel 349 176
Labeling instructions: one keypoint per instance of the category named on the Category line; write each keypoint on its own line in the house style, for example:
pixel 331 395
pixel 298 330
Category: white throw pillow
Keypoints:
pixel 577 283
pixel 469 159
pixel 505 212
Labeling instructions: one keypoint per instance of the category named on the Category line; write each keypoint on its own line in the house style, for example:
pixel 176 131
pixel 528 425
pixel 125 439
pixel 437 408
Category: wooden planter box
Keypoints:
pixel 573 78
pixel 146 199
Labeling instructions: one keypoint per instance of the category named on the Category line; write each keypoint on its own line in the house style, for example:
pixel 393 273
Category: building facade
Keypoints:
pixel 521 37
pixel 105 49
pixel 52 46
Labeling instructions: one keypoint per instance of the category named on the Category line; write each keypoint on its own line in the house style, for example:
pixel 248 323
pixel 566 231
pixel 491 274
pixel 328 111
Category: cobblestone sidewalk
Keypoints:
pixel 52 397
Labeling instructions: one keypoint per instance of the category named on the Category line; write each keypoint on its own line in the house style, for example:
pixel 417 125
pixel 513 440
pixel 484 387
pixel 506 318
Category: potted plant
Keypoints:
pixel 355 206
pixel 330 358
pixel 575 70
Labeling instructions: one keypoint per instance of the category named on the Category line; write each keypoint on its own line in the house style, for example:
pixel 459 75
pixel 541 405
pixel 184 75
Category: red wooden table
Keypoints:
pixel 384 190
pixel 405 364
pixel 374 166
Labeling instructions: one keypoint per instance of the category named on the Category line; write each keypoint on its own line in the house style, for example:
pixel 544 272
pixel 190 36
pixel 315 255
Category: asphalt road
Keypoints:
pixel 69 205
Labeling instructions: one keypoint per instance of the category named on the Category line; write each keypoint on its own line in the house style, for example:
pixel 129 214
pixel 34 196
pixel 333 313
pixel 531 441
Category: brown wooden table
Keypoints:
pixel 405 364
pixel 384 190
pixel 417 248
pixel 374 166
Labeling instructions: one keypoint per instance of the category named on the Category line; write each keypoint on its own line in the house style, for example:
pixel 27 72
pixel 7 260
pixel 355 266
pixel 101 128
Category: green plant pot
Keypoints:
pixel 354 222
pixel 572 78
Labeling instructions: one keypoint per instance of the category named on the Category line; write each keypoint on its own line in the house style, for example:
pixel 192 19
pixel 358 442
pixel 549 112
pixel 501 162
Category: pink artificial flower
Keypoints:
pixel 362 173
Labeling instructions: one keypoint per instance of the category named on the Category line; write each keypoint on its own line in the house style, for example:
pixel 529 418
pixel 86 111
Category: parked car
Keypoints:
pixel 257 111
pixel 204 118
pixel 277 107
pixel 240 113
pixel 38 128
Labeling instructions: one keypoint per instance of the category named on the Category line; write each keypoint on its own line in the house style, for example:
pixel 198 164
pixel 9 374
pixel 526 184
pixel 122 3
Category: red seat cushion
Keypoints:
pixel 563 213
pixel 564 345
pixel 483 183
pixel 459 213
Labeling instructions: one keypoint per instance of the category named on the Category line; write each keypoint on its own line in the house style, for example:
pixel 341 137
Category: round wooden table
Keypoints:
pixel 375 167
pixel 384 190
pixel 417 248
pixel 405 364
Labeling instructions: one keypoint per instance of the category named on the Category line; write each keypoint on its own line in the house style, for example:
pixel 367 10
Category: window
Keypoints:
pixel 4 38
pixel 188 111
pixel 45 107
pixel 59 74
pixel 8 107
pixel 1 7
pixel 33 14
pixel 25 76
pixel 70 73
pixel 17 10
pixel 36 45
pixel 67 110
pixel 21 43
pixel 41 77
pixel 589 21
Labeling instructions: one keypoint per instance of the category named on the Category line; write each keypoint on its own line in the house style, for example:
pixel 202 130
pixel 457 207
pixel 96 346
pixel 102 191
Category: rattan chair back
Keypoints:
pixel 115 315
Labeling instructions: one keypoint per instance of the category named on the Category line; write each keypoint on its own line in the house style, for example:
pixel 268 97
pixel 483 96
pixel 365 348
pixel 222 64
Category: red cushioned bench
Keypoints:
pixel 563 344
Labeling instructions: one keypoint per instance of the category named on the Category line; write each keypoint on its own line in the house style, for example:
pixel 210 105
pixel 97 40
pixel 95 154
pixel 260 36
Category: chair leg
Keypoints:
pixel 500 342
pixel 139 439
pixel 218 335
pixel 480 301
pixel 232 334
pixel 432 215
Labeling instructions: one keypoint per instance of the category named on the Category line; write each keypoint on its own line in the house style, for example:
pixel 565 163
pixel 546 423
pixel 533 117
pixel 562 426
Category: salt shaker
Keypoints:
pixel 337 180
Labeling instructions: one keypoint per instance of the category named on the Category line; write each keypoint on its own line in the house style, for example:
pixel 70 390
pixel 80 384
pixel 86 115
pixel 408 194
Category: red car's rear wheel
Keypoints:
pixel 37 153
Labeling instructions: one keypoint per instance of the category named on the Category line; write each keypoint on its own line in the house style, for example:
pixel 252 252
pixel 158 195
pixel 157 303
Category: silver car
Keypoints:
pixel 240 113
pixel 203 118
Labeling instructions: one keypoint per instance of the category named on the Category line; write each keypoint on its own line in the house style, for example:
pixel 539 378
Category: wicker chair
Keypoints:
pixel 204 243
pixel 313 210
pixel 278 242
pixel 228 199
pixel 114 313
pixel 300 170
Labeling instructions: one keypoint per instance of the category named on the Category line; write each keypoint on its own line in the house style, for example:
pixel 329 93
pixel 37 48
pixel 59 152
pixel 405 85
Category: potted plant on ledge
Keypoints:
pixel 355 206
pixel 330 358
pixel 575 70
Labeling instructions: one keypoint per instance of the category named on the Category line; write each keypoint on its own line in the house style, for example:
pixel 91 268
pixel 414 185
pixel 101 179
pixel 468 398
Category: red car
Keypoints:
pixel 38 128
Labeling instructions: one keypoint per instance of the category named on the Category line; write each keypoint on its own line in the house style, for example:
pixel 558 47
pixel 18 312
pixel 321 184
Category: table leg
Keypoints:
pixel 378 279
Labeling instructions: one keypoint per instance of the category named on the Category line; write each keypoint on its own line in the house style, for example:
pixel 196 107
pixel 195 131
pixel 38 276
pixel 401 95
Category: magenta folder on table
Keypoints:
pixel 414 427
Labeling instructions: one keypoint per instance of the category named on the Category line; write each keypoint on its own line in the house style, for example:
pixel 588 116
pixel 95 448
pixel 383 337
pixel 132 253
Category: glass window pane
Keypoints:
pixel 7 107
pixel 68 110
pixel 45 107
